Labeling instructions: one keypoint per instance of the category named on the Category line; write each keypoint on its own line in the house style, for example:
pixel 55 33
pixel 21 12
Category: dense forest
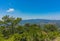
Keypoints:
pixel 11 30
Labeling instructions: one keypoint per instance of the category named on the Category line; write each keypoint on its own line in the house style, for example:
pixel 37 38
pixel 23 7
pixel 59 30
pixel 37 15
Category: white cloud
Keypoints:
pixel 10 10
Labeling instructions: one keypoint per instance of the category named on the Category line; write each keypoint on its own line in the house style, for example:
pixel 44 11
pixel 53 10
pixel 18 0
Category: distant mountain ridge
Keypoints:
pixel 40 21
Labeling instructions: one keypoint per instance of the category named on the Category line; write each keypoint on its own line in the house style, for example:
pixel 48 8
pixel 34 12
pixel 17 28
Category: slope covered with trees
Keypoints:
pixel 11 30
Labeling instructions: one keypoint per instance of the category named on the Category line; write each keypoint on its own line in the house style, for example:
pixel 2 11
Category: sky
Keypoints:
pixel 31 9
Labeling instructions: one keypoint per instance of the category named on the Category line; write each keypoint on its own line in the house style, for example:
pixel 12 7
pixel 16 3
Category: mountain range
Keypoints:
pixel 40 21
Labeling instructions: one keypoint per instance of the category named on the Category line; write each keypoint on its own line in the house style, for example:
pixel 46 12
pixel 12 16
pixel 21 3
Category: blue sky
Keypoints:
pixel 31 9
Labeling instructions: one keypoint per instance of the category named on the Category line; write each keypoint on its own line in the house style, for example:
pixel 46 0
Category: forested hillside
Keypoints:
pixel 11 30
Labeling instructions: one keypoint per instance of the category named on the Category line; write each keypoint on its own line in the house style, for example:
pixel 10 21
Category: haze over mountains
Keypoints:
pixel 41 21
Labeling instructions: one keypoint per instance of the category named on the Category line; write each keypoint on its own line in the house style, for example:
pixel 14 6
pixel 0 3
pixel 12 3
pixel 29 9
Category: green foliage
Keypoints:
pixel 11 30
pixel 50 27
